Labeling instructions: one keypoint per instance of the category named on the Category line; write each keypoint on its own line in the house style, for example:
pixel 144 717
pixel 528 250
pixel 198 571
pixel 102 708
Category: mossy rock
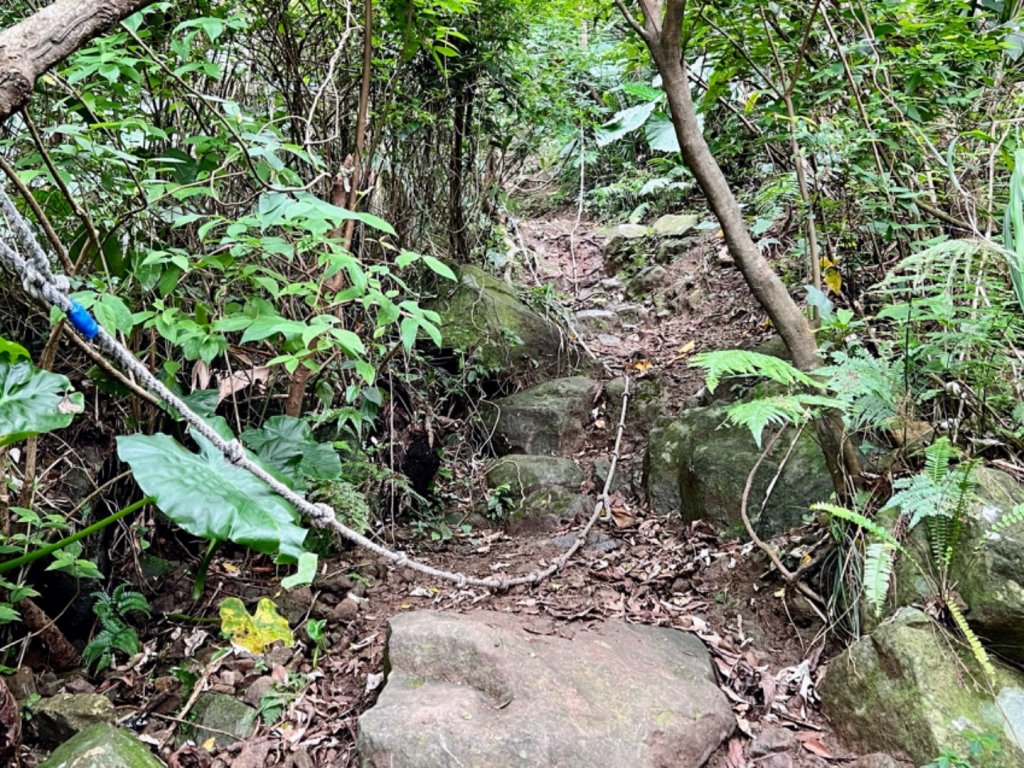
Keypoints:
pixel 525 474
pixel 102 746
pixel 486 320
pixel 546 419
pixel 907 688
pixel 697 466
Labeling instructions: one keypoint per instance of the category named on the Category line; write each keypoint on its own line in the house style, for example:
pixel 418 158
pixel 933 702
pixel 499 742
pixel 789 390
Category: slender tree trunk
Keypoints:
pixel 31 47
pixel 661 30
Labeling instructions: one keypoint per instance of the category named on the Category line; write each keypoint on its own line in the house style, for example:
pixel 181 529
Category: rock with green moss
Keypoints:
pixel 643 409
pixel 485 319
pixel 905 688
pixel 220 717
pixel 524 474
pixel 102 746
pixel 546 419
pixel 58 718
pixel 987 567
pixel 697 466
pixel 483 690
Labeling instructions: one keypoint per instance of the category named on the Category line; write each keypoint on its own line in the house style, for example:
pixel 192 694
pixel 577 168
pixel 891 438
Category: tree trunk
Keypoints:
pixel 661 30
pixel 31 47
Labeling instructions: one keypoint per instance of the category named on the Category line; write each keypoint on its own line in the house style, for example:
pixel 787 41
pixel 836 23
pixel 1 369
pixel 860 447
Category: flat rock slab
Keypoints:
pixel 480 690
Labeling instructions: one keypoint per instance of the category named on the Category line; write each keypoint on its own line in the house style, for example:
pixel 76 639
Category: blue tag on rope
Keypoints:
pixel 83 321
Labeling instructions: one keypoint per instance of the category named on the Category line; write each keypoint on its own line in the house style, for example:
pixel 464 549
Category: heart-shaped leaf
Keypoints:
pixel 33 401
pixel 287 444
pixel 210 497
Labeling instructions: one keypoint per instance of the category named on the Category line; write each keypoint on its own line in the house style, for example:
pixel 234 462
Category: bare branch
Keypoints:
pixel 31 47
pixel 631 19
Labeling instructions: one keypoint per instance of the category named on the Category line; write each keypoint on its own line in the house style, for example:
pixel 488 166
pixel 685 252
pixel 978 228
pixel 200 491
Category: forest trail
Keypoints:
pixel 635 568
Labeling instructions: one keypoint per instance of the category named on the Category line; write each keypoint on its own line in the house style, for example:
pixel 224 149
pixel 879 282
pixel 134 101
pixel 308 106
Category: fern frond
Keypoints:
pixel 780 410
pixel 878 560
pixel 860 521
pixel 126 601
pixel 1014 517
pixel 937 458
pixel 972 640
pixel 870 387
pixel 745 363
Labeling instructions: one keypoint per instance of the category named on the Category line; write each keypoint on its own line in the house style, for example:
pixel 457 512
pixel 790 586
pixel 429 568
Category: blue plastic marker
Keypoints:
pixel 84 323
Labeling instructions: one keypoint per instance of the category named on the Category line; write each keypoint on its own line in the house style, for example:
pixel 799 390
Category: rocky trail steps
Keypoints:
pixel 668 641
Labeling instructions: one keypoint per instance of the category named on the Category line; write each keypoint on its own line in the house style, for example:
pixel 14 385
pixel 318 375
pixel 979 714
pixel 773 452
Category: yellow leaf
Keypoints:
pixel 833 280
pixel 751 102
pixel 642 366
pixel 258 631
pixel 687 348
pixel 230 567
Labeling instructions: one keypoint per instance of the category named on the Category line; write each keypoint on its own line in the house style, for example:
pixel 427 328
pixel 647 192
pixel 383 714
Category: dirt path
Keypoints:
pixel 637 569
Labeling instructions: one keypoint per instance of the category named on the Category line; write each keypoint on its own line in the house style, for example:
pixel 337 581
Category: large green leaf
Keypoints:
pixel 210 497
pixel 661 133
pixel 34 401
pixel 624 122
pixel 287 443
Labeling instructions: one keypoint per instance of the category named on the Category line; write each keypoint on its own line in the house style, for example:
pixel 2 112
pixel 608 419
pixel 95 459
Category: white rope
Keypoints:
pixel 40 283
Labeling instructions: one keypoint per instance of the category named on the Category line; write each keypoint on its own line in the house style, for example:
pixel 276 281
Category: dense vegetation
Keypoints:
pixel 264 200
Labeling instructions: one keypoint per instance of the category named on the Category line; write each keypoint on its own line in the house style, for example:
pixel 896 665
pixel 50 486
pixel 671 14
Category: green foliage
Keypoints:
pixel 1012 518
pixel 747 364
pixel 501 503
pixel 210 497
pixel 33 401
pixel 115 634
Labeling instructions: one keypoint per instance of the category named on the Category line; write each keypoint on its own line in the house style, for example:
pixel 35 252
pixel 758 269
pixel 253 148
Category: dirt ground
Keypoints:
pixel 767 644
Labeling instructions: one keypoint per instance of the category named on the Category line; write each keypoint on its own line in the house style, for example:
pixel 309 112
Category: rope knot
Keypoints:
pixel 401 559
pixel 324 511
pixel 461 581
pixel 235 453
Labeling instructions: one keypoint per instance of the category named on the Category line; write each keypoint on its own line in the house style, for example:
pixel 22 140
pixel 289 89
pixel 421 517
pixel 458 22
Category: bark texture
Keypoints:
pixel 31 47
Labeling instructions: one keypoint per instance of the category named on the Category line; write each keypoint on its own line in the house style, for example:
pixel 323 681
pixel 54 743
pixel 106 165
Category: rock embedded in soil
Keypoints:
pixel 593 321
pixel 484 317
pixel 547 419
pixel 102 746
pixel 220 717
pixel 479 690
pixel 906 688
pixel 697 466
pixel 647 282
pixel 674 224
pixel 643 409
pixel 524 474
pixel 58 718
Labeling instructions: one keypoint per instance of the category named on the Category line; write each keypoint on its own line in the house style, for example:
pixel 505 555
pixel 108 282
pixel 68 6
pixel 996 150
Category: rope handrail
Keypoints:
pixel 39 282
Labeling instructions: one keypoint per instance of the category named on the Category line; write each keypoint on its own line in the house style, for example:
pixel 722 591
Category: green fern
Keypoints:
pixel 1014 517
pixel 879 556
pixel 779 410
pixel 744 363
pixel 115 634
pixel 878 562
pixel 972 640
pixel 870 388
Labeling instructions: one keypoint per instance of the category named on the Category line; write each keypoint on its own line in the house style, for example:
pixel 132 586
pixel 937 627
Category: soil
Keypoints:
pixel 767 644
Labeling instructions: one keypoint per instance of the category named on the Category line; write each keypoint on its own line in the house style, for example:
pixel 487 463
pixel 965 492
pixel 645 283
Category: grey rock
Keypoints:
pixel 257 689
pixel 647 282
pixel 223 718
pixel 593 321
pixel 603 468
pixel 596 541
pixel 907 688
pixel 877 760
pixel 672 248
pixel 675 225
pixel 546 419
pixel 772 740
pixel 524 474
pixel 630 314
pixel 60 717
pixel 697 466
pixel 102 746
pixel 485 317
pixel 643 409
pixel 478 690
pixel 549 508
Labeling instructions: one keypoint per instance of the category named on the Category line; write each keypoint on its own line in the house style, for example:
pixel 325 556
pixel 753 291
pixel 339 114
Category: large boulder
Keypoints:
pixel 485 318
pixel 480 690
pixel 988 567
pixel 697 466
pixel 546 419
pixel 102 746
pixel 905 688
